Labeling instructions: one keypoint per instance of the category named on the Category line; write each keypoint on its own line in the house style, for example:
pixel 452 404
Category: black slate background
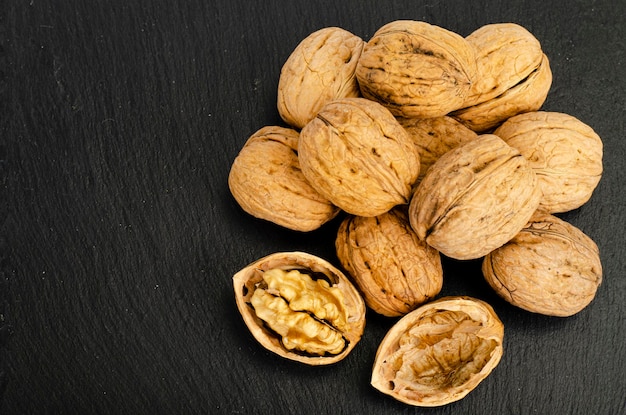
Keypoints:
pixel 118 235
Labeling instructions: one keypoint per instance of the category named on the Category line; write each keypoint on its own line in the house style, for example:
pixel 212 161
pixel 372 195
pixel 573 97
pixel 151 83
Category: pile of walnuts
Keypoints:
pixel 431 144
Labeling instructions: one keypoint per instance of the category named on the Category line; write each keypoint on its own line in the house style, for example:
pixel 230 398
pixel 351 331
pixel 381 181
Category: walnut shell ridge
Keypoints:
pixel 266 181
pixel 416 69
pixel 394 270
pixel 357 155
pixel 475 198
pixel 320 69
pixel 565 153
pixel 550 267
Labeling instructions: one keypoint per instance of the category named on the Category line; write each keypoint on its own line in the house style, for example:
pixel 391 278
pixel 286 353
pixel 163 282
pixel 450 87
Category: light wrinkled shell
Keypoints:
pixel 356 154
pixel 475 198
pixel 528 95
pixel 265 179
pixel 434 137
pixel 246 280
pixel 565 153
pixel 506 54
pixel 321 68
pixel 393 269
pixel 550 267
pixel 440 352
pixel 416 69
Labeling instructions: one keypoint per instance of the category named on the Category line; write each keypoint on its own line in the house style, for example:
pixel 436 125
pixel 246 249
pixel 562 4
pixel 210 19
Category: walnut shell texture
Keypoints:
pixel 434 137
pixel 528 95
pixel 506 54
pixel 440 352
pixel 416 69
pixel 247 281
pixel 550 267
pixel 565 153
pixel 357 155
pixel 320 69
pixel 475 198
pixel 266 181
pixel 394 270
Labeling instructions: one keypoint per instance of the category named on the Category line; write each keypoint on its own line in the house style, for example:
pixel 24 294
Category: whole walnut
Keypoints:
pixel 514 76
pixel 416 69
pixel 266 180
pixel 320 69
pixel 550 267
pixel 435 136
pixel 564 152
pixel 357 155
pixel 393 269
pixel 475 198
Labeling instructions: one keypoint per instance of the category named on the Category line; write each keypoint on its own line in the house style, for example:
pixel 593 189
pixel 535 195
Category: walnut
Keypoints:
pixel 475 198
pixel 300 307
pixel 550 267
pixel 564 152
pixel 265 179
pixel 393 269
pixel 440 352
pixel 434 137
pixel 514 76
pixel 320 69
pixel 357 155
pixel 416 69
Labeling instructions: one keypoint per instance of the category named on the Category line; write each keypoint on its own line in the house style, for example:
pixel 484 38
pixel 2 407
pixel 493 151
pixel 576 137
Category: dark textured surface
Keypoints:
pixel 119 237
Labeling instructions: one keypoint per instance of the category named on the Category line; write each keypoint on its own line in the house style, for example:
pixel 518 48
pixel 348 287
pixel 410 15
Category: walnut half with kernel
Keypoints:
pixel 300 307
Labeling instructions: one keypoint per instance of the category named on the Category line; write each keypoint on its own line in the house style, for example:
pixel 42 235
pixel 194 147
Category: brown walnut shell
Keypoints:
pixel 357 155
pixel 440 352
pixel 564 152
pixel 506 54
pixel 343 317
pixel 320 69
pixel 528 95
pixel 550 267
pixel 266 181
pixel 475 198
pixel 393 269
pixel 416 69
pixel 434 137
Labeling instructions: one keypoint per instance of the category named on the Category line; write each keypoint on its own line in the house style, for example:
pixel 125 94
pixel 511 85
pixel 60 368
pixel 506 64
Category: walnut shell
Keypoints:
pixel 304 302
pixel 266 181
pixel 506 54
pixel 393 269
pixel 321 68
pixel 440 352
pixel 416 69
pixel 434 137
pixel 550 267
pixel 357 155
pixel 564 152
pixel 475 198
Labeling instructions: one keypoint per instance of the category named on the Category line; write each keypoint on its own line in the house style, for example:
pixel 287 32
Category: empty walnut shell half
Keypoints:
pixel 321 68
pixel 300 307
pixel 475 198
pixel 266 180
pixel 440 352
pixel 551 267
pixel 564 152
pixel 394 270
pixel 357 155
pixel 416 69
